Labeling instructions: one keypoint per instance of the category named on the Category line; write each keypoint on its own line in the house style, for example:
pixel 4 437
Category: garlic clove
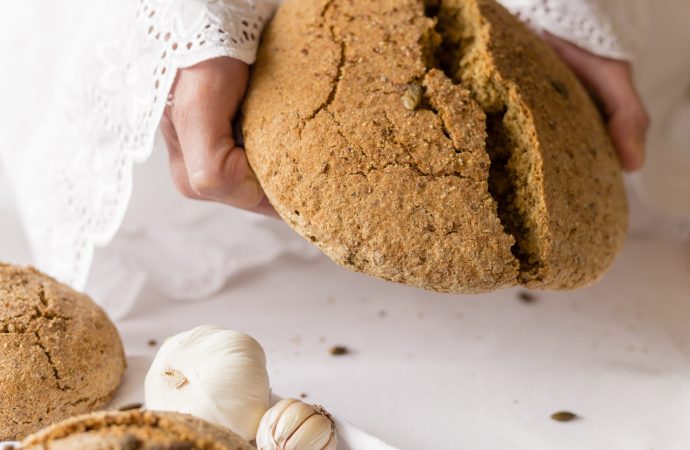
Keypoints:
pixel 295 425
pixel 291 419
pixel 315 432
pixel 216 374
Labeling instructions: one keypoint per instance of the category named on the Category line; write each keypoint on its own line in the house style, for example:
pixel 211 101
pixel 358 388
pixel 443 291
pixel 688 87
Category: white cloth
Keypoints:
pixel 84 88
pixel 82 118
pixel 613 28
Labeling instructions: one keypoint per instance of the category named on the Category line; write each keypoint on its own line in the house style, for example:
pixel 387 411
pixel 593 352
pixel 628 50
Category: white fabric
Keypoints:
pixel 613 28
pixel 92 106
pixel 185 248
pixel 87 113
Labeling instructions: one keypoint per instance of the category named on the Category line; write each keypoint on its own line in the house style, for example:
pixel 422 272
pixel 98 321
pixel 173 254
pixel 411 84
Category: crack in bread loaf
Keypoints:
pixel 499 173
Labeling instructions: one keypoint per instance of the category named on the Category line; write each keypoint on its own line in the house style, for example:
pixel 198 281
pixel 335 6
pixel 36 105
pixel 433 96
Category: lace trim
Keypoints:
pixel 611 28
pixel 111 116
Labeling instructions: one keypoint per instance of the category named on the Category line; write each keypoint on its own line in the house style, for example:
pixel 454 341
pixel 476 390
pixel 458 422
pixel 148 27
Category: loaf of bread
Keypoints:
pixel 135 430
pixel 60 355
pixel 439 144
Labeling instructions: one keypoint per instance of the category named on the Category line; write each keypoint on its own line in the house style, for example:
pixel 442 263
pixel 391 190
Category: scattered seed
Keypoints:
pixel 152 342
pixel 526 297
pixel 130 406
pixel 412 96
pixel 564 416
pixel 560 87
pixel 303 395
pixel 339 350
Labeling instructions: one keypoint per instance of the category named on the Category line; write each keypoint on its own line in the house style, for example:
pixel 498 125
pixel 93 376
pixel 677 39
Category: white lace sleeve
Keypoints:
pixel 72 168
pixel 612 28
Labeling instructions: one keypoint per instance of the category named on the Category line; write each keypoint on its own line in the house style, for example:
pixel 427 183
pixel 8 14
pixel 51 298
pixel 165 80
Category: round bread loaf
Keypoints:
pixel 135 430
pixel 59 353
pixel 439 144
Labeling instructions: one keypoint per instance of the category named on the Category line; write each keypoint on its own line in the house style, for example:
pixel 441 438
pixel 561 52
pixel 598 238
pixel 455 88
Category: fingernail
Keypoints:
pixel 248 193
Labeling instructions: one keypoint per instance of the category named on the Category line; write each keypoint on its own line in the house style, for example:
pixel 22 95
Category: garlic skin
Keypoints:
pixel 215 374
pixel 295 425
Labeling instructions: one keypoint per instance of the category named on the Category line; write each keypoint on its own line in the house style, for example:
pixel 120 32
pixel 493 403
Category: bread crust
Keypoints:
pixel 409 195
pixel 60 355
pixel 135 430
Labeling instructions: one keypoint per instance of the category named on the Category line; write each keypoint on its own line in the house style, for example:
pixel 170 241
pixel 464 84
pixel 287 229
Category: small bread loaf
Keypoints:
pixel 135 430
pixel 59 353
pixel 439 144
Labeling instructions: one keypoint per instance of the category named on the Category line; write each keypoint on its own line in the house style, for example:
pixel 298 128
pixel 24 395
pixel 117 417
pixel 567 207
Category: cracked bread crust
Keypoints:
pixel 569 190
pixel 59 353
pixel 135 430
pixel 398 194
pixel 405 194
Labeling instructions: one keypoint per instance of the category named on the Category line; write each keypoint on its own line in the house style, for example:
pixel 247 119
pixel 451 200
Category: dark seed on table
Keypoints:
pixel 526 297
pixel 152 342
pixel 303 395
pixel 564 416
pixel 339 350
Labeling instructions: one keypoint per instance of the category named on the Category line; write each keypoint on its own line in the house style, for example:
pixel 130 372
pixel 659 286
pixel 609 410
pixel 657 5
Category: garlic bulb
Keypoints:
pixel 294 425
pixel 215 374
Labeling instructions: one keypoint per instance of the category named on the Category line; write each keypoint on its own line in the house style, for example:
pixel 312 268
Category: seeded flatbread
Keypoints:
pixel 437 144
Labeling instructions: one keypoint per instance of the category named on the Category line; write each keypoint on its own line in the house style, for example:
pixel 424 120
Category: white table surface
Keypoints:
pixel 430 371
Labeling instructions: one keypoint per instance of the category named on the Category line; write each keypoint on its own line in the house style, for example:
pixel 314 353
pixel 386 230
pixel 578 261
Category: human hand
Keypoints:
pixel 205 161
pixel 610 80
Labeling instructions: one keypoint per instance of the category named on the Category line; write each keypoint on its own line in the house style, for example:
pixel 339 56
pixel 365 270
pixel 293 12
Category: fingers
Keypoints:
pixel 627 127
pixel 206 97
pixel 627 119
pixel 178 169
pixel 611 81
